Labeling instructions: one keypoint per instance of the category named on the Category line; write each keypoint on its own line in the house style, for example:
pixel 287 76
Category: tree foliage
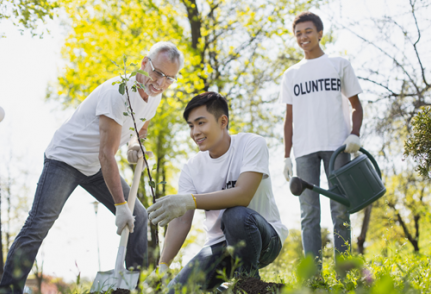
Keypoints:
pixel 418 145
pixel 27 14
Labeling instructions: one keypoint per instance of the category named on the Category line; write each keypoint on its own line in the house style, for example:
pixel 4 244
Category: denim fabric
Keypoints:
pixel 261 245
pixel 308 169
pixel 57 182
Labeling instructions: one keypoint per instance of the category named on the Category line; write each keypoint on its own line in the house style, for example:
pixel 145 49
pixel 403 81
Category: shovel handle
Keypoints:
pixel 132 198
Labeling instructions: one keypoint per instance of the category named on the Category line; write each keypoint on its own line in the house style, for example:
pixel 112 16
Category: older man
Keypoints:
pixel 82 152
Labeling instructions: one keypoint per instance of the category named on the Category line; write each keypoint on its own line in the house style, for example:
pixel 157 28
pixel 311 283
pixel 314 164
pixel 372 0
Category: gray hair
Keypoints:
pixel 169 48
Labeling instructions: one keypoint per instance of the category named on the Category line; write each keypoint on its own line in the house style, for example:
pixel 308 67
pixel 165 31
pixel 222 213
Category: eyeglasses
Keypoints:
pixel 160 75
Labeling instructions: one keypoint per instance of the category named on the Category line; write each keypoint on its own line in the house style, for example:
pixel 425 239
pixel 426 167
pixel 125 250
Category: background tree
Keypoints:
pixel 28 14
pixel 397 84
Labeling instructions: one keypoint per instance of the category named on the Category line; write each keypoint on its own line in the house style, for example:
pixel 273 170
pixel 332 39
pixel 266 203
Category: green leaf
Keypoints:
pixel 124 58
pixel 132 64
pixel 143 72
pixel 133 74
pixel 125 114
pixel 143 119
pixel 114 62
pixel 154 166
pixel 163 183
pixel 142 140
pixel 134 89
pixel 121 89
pixel 306 268
pixel 152 184
pixel 132 129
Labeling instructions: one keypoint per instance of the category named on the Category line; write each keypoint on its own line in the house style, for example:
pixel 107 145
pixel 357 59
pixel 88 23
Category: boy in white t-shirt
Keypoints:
pixel 317 91
pixel 82 152
pixel 229 179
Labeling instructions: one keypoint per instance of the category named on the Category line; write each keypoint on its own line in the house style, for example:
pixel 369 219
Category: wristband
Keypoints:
pixel 116 204
pixel 194 199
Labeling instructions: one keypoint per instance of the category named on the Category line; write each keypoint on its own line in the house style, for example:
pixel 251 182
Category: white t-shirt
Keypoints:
pixel 77 141
pixel 203 174
pixel 318 90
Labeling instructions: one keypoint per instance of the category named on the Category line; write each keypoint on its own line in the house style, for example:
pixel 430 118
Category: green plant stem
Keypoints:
pixel 148 169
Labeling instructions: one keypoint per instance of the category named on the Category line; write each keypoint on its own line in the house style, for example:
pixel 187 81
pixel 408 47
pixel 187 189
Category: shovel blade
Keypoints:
pixel 105 281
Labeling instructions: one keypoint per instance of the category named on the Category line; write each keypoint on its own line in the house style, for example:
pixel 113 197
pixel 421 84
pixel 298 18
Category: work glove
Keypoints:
pixel 123 217
pixel 169 207
pixel 288 169
pixel 159 274
pixel 134 151
pixel 353 143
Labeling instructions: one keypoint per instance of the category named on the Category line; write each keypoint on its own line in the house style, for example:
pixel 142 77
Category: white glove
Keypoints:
pixel 288 169
pixel 134 151
pixel 123 217
pixel 353 143
pixel 160 273
pixel 169 207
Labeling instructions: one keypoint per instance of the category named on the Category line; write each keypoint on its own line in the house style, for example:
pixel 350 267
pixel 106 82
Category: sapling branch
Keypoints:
pixel 123 89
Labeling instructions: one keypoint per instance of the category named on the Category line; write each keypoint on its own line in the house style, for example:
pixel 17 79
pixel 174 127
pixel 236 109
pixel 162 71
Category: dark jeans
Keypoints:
pixel 260 246
pixel 308 169
pixel 56 184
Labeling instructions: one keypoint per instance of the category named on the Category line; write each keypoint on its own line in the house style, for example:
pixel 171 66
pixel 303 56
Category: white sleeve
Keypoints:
pixel 111 104
pixel 256 157
pixel 185 184
pixel 285 92
pixel 349 83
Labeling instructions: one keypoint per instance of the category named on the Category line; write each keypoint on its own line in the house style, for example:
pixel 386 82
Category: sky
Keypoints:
pixel 27 65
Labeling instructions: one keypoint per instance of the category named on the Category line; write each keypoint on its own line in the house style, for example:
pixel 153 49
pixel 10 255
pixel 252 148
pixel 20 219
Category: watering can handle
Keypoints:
pixel 342 148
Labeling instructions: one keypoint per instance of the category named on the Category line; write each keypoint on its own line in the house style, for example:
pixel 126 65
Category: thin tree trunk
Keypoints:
pixel 364 229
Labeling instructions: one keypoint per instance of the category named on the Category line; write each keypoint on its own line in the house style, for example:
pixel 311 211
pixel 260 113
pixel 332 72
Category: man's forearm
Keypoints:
pixel 288 131
pixel 176 234
pixel 357 117
pixel 112 178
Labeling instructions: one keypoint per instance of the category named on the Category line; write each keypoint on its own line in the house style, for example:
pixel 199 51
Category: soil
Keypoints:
pixel 256 286
pixel 249 285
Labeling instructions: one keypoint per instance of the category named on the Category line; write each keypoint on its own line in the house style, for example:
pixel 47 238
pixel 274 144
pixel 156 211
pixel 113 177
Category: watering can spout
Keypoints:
pixel 297 186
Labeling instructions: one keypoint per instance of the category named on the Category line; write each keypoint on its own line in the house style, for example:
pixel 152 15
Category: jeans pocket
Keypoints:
pixel 269 254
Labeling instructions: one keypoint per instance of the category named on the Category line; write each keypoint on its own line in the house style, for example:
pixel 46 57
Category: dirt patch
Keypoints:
pixel 121 291
pixel 256 286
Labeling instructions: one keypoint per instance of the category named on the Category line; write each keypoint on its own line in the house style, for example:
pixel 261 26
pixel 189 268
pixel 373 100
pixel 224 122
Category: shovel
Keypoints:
pixel 120 278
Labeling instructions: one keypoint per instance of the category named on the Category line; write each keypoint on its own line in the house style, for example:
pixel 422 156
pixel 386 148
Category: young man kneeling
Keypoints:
pixel 229 179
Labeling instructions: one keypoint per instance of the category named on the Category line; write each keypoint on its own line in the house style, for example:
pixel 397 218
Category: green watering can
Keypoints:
pixel 356 184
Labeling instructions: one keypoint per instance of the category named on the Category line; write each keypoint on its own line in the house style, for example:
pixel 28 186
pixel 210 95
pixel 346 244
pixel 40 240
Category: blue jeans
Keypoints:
pixel 261 245
pixel 56 184
pixel 308 169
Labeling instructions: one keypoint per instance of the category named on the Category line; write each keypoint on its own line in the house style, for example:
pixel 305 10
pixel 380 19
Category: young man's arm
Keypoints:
pixel 288 131
pixel 353 143
pixel 176 234
pixel 169 207
pixel 357 115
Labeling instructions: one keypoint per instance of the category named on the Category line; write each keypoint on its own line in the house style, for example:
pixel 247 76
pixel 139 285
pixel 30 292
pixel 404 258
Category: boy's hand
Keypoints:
pixel 353 143
pixel 288 169
pixel 169 207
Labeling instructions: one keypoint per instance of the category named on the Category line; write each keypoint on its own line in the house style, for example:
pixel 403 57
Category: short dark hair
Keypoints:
pixel 308 16
pixel 216 105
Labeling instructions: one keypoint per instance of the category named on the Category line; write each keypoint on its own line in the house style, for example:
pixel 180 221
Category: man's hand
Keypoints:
pixel 159 274
pixel 288 169
pixel 134 151
pixel 169 207
pixel 123 217
pixel 353 143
